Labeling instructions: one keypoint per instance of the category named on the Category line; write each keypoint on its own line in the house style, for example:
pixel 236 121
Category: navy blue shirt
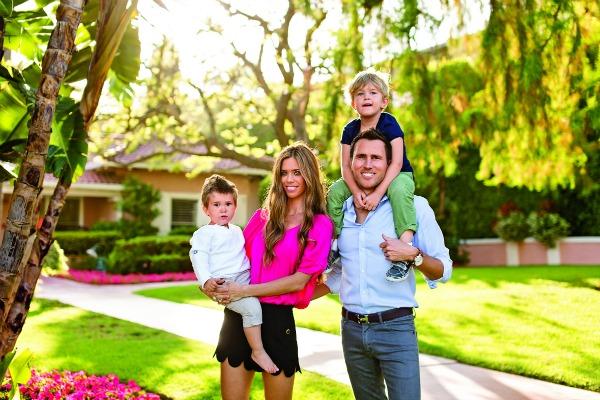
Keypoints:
pixel 388 126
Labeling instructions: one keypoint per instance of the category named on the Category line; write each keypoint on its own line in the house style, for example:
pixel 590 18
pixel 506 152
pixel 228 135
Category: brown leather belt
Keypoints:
pixel 382 316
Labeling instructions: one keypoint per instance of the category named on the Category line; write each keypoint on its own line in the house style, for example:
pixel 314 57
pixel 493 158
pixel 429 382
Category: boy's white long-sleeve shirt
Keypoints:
pixel 218 251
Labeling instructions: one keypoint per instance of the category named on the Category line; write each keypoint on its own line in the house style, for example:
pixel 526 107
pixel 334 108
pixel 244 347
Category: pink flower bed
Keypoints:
pixel 69 385
pixel 100 277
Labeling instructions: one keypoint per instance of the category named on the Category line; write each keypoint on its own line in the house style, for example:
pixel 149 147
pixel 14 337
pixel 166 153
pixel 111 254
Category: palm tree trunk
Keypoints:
pixel 113 18
pixel 20 307
pixel 28 186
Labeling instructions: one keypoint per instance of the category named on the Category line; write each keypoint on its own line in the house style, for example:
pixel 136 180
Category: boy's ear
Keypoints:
pixel 205 209
pixel 386 101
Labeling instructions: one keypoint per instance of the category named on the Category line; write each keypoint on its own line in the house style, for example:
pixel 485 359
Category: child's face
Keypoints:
pixel 369 101
pixel 221 208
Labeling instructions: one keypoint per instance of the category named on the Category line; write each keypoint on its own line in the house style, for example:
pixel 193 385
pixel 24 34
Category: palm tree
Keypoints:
pixel 18 237
pixel 113 21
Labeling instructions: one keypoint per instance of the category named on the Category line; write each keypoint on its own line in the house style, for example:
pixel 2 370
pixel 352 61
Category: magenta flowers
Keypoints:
pixel 102 278
pixel 69 385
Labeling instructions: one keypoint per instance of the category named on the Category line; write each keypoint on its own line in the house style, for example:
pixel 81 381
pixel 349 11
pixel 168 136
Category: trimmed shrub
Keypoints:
pixel 82 262
pixel 150 254
pixel 187 230
pixel 55 260
pixel 548 228
pixel 106 226
pixel 77 242
pixel 513 228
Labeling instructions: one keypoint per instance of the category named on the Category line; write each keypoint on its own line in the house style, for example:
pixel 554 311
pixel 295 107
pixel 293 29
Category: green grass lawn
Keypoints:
pixel 541 322
pixel 67 338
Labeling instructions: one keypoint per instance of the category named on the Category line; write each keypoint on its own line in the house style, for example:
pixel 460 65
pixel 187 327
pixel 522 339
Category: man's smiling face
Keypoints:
pixel 369 164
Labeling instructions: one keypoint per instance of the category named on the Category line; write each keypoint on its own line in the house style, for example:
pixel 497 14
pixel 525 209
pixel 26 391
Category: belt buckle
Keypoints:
pixel 363 319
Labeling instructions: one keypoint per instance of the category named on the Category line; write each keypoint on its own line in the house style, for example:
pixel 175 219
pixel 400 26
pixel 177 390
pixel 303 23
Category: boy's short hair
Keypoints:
pixel 372 134
pixel 216 183
pixel 376 78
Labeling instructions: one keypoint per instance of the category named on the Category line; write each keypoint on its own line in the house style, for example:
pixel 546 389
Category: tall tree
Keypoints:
pixel 245 114
pixel 68 154
pixel 113 21
pixel 18 235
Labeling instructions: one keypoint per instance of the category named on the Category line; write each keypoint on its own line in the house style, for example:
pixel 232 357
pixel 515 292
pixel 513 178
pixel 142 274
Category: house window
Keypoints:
pixel 183 212
pixel 69 217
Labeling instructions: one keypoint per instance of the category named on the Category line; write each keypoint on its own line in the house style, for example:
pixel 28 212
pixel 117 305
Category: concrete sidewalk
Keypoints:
pixel 441 379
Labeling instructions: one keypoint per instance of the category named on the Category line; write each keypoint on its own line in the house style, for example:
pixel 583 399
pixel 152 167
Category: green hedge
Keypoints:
pixel 150 254
pixel 183 230
pixel 82 262
pixel 76 243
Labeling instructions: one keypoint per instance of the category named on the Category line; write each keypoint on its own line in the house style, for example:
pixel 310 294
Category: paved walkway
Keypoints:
pixel 441 379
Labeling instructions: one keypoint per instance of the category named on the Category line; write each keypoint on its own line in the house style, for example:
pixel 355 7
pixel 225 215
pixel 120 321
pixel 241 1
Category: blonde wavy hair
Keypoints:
pixel 276 200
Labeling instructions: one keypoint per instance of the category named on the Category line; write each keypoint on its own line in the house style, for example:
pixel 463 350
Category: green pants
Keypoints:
pixel 400 193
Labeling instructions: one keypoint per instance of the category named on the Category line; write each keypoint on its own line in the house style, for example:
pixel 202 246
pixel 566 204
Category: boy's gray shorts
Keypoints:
pixel 248 307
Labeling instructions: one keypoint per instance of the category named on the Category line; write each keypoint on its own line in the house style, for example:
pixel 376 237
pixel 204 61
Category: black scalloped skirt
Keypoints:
pixel 278 335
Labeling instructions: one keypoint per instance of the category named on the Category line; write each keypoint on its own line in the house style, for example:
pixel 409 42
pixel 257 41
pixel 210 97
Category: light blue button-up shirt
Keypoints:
pixel 361 281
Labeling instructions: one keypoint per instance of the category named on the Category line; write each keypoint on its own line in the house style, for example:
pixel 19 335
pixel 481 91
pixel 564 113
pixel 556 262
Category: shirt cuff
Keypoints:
pixel 334 279
pixel 447 263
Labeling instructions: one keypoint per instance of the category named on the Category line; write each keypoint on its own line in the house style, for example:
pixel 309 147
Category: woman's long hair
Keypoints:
pixel 276 201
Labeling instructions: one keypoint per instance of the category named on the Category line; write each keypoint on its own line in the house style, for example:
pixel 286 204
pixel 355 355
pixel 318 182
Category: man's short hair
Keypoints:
pixel 217 184
pixel 372 134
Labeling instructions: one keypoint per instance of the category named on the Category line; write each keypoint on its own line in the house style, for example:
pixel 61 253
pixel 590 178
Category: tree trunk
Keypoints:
pixel 20 307
pixel 28 186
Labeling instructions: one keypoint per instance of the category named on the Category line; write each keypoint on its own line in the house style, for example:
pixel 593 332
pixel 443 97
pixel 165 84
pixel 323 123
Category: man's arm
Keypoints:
pixel 397 250
pixel 430 240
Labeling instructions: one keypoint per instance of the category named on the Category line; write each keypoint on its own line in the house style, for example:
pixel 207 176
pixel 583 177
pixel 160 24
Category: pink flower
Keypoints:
pixel 69 385
pixel 102 278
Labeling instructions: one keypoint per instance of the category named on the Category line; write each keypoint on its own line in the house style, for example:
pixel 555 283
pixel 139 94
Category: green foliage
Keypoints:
pixel 547 228
pixel 67 152
pixel 55 260
pixel 139 206
pixel 150 254
pixel 106 226
pixel 78 242
pixel 513 228
pixel 17 364
pixel 183 230
pixel 263 189
pixel 82 262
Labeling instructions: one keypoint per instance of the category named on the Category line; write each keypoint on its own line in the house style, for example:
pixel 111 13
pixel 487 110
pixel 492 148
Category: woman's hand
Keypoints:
pixel 230 291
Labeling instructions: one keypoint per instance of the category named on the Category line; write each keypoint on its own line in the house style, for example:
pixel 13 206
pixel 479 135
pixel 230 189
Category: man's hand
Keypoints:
pixel 372 200
pixel 397 250
pixel 359 199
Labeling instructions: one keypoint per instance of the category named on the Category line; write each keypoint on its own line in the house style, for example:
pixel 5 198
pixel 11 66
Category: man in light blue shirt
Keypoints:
pixel 378 333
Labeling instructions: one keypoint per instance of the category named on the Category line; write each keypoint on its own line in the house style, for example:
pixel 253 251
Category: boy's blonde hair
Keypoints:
pixel 376 78
pixel 216 183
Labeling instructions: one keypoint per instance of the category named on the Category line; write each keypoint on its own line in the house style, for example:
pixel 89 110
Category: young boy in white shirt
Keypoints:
pixel 218 254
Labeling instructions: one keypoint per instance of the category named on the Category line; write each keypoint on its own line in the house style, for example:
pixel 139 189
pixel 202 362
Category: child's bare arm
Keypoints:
pixel 392 172
pixel 357 193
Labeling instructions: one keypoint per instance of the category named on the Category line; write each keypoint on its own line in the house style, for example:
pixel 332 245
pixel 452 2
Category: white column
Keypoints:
pixel 553 255
pixel 163 221
pixel 512 254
